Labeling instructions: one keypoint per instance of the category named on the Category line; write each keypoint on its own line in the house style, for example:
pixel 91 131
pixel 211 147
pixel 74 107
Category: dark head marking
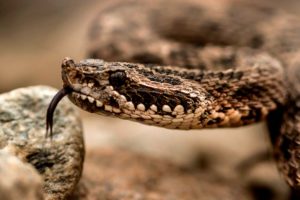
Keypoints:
pixel 117 78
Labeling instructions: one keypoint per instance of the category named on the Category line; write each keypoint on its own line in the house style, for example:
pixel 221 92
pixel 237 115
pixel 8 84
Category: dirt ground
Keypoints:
pixel 126 160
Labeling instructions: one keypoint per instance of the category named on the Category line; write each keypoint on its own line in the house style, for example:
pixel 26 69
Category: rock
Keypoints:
pixel 19 180
pixel 22 133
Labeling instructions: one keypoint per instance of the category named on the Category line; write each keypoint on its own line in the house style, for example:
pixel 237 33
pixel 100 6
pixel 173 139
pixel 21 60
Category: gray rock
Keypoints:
pixel 22 133
pixel 19 180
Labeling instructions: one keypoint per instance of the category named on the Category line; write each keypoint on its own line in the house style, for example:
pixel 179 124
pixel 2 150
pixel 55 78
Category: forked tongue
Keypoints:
pixel 51 108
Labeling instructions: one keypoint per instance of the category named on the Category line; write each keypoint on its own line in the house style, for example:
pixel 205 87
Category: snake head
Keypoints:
pixel 128 90
pixel 92 82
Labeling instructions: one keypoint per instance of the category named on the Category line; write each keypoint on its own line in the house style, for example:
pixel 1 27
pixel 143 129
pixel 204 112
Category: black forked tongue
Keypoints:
pixel 51 108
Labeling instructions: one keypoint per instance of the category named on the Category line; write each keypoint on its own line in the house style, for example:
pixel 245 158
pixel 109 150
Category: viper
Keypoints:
pixel 193 65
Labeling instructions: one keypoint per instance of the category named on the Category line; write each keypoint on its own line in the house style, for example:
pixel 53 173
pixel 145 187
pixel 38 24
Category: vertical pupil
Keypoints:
pixel 117 78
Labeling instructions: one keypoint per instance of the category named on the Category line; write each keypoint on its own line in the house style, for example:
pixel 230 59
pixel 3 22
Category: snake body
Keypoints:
pixel 204 66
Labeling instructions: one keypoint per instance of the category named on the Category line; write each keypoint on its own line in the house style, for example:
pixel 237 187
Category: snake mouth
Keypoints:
pixel 82 100
pixel 52 106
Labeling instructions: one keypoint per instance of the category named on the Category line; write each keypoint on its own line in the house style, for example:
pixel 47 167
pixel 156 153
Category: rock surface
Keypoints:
pixel 19 180
pixel 22 133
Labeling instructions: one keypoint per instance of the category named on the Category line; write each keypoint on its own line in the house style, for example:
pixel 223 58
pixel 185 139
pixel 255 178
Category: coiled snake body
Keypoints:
pixel 203 67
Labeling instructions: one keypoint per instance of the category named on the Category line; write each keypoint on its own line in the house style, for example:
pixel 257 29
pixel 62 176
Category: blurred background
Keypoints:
pixel 36 35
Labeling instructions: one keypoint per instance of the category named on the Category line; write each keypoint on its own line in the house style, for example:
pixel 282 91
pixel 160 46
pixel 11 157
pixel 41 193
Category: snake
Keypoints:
pixel 193 65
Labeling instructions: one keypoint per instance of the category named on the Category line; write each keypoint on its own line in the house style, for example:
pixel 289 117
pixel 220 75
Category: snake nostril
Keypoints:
pixel 67 62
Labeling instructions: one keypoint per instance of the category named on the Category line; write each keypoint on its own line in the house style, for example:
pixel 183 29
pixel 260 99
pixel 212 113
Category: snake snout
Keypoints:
pixel 67 62
pixel 71 74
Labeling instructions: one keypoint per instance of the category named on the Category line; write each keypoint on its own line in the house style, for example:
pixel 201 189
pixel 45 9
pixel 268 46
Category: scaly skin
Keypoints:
pixel 215 87
pixel 178 98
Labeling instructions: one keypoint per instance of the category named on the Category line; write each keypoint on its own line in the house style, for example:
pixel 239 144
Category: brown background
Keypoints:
pixel 36 35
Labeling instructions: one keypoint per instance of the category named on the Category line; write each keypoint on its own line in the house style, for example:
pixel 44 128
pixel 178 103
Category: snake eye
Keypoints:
pixel 117 78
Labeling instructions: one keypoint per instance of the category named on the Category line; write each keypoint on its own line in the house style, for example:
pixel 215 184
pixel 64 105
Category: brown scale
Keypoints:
pixel 227 79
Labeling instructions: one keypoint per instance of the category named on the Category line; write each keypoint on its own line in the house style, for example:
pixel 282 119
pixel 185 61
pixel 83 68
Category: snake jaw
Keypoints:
pixel 73 80
pixel 91 88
